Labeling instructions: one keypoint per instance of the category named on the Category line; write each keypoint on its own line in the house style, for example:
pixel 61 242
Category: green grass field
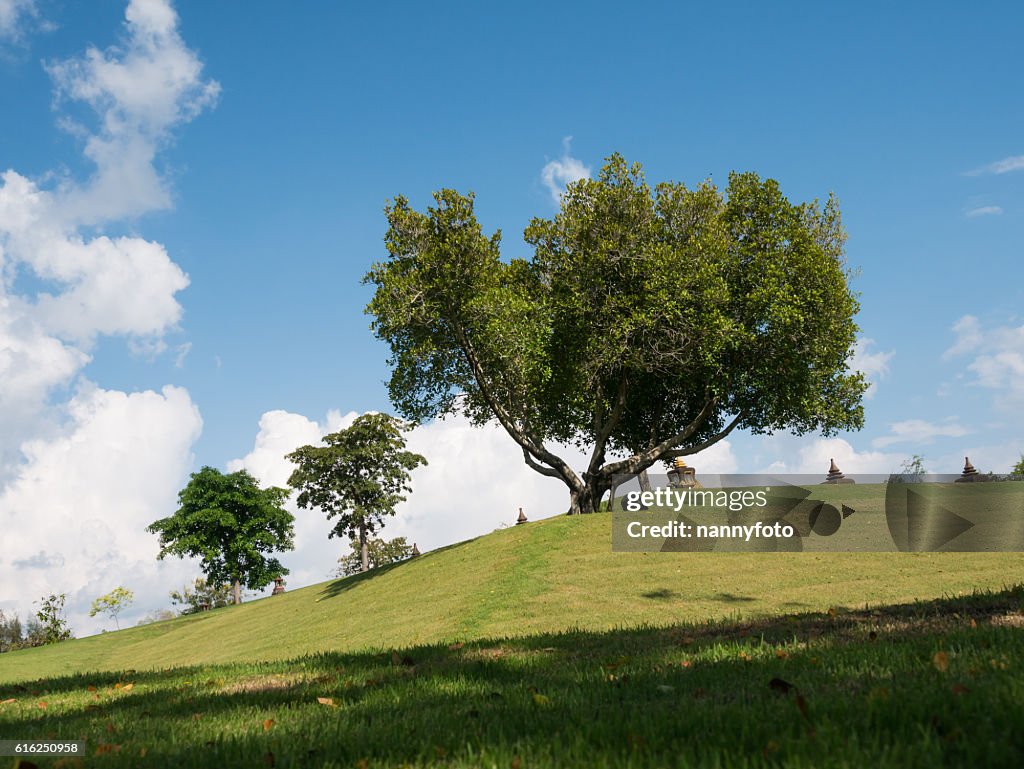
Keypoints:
pixel 537 646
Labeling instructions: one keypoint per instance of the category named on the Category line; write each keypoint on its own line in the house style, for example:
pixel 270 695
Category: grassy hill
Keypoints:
pixel 547 576
pixel 538 647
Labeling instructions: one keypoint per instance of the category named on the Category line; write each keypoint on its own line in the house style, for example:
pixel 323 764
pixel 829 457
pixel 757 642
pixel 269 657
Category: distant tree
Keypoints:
pixel 51 618
pixel 1017 473
pixel 380 552
pixel 112 604
pixel 157 615
pixel 229 522
pixel 912 470
pixel 201 596
pixel 35 632
pixel 358 477
pixel 11 637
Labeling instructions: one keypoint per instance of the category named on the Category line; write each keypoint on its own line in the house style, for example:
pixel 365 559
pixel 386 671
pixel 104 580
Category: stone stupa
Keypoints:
pixel 969 475
pixel 835 475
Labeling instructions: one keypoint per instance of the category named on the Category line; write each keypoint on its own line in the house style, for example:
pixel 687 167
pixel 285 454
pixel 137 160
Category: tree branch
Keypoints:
pixel 529 443
pixel 533 465
pixel 642 461
pixel 605 430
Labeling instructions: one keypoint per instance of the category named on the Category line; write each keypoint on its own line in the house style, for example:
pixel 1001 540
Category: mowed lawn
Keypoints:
pixel 536 646
pixel 929 684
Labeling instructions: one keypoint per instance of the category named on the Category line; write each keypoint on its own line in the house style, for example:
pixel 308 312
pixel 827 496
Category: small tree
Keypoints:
pixel 914 467
pixel 10 633
pixel 229 522
pixel 358 477
pixel 52 625
pixel 112 604
pixel 1017 473
pixel 157 615
pixel 380 552
pixel 201 596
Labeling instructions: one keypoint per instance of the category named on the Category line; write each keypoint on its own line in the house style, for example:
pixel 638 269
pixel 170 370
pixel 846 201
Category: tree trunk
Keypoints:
pixel 364 547
pixel 587 498
pixel 236 591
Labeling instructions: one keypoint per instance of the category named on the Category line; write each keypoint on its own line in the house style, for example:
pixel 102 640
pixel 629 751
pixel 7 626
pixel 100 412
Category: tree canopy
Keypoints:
pixel 648 324
pixel 358 477
pixel 230 523
pixel 112 604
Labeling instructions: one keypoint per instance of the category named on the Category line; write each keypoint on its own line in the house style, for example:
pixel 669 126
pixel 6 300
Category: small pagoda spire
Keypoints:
pixel 521 518
pixel 969 474
pixel 835 475
pixel 415 550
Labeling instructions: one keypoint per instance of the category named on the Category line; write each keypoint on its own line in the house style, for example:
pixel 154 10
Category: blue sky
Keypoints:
pixel 254 146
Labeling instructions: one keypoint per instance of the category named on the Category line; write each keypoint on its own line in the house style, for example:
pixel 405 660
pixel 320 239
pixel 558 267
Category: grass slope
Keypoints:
pixel 921 685
pixel 543 577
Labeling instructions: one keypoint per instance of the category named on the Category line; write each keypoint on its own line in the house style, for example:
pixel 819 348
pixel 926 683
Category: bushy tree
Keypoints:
pixel 201 596
pixel 52 625
pixel 229 522
pixel 112 604
pixel 358 477
pixel 380 552
pixel 648 323
pixel 1017 472
pixel 11 637
pixel 157 615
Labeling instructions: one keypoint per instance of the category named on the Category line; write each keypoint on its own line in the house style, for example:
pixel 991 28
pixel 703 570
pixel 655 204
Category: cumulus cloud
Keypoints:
pixel 811 457
pixel 920 431
pixel 84 469
pixel 996 358
pixel 873 364
pixel 75 514
pixel 559 173
pixel 1004 166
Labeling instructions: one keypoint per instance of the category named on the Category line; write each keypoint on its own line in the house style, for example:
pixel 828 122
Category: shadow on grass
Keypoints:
pixel 733 598
pixel 844 688
pixel 662 594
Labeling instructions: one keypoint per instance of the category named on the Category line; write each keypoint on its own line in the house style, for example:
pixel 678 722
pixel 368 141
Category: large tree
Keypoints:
pixel 358 477
pixel 229 522
pixel 648 324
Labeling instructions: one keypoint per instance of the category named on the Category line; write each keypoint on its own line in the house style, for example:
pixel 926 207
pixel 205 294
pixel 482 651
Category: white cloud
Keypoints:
pixel 82 469
pixel 983 211
pixel 997 358
pixel 13 16
pixel 74 516
pixel 812 457
pixel 874 365
pixel 181 352
pixel 920 431
pixel 1004 166
pixel 139 91
pixel 558 174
